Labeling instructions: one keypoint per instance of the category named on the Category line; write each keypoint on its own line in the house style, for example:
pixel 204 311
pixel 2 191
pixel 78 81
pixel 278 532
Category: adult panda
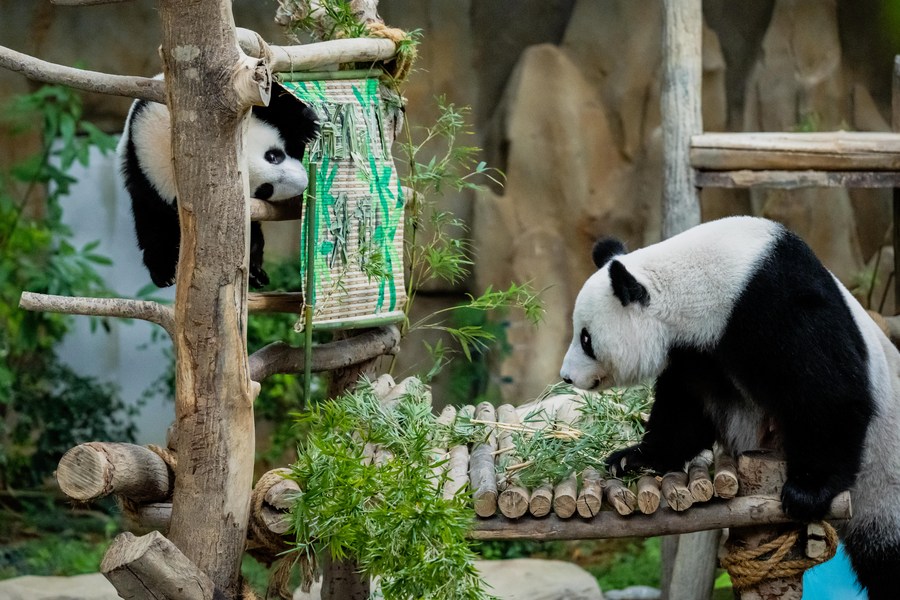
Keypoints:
pixel 276 140
pixel 743 328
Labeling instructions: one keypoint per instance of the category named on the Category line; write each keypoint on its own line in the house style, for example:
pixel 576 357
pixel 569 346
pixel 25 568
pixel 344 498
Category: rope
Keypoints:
pixel 400 66
pixel 168 456
pixel 271 547
pixel 748 567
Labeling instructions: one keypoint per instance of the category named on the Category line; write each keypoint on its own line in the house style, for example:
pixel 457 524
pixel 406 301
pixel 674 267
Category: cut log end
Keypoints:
pixel 513 502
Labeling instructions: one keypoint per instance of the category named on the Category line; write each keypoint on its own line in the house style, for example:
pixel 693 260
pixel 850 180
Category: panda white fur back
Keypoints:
pixel 275 140
pixel 743 328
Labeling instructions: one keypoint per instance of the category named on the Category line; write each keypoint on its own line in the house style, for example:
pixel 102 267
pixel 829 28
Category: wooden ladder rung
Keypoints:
pixel 275 302
pixel 820 151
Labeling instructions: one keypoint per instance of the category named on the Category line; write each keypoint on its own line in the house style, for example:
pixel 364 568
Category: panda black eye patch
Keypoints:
pixel 274 156
pixel 586 346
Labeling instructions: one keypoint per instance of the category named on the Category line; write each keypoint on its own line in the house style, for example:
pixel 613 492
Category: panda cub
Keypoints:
pixel 742 327
pixel 275 142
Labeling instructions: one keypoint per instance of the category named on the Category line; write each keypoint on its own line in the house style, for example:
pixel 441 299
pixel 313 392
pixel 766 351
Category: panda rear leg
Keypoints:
pixel 158 237
pixel 823 448
pixel 679 427
pixel 875 555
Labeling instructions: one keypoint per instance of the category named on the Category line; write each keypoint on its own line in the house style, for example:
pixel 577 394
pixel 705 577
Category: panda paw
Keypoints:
pixel 628 460
pixel 806 501
pixel 258 277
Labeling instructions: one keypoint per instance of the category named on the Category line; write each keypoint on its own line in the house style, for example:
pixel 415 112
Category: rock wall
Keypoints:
pixel 565 100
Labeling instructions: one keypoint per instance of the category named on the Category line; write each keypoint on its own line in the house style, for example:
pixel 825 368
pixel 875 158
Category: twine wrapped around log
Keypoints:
pixel 748 567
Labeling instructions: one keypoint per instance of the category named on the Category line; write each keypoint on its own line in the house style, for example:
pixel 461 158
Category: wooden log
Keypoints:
pixel 279 357
pixel 514 498
pixel 742 511
pixel 541 500
pixel 675 491
pixel 124 308
pixel 820 151
pixel 481 467
pixel 458 465
pixel 565 497
pixel 648 494
pixel 681 115
pixel 285 210
pixel 725 481
pixel 144 518
pixel 590 498
pixel 780 179
pixel 699 483
pixel 275 302
pixel 439 452
pixel 565 494
pixel 151 567
pixel 620 497
pixel 96 469
pixel 319 55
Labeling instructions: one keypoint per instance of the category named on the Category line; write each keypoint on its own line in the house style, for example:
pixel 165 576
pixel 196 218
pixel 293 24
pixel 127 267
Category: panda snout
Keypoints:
pixel 566 379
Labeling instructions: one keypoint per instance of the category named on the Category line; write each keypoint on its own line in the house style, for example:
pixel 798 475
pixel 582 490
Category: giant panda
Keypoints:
pixel 746 332
pixel 276 139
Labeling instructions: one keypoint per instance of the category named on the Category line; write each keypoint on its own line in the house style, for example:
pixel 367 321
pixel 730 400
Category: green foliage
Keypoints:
pixel 387 516
pixel 45 407
pixel 40 535
pixel 608 421
pixel 637 563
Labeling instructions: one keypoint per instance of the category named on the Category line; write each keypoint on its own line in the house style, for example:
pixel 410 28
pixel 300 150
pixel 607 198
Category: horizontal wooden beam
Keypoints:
pixel 742 511
pixel 286 210
pixel 275 302
pixel 827 151
pixel 311 57
pixel 797 179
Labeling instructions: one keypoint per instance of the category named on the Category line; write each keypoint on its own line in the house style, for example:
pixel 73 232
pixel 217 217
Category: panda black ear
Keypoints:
pixel 625 287
pixel 605 249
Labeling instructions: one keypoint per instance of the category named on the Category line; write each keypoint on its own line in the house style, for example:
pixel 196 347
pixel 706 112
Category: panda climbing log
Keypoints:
pixel 276 140
pixel 745 330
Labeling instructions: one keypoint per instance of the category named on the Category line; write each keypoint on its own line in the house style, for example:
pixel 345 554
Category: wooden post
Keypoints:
pixel 213 399
pixel 682 118
pixel 764 475
pixel 681 115
pixel 895 125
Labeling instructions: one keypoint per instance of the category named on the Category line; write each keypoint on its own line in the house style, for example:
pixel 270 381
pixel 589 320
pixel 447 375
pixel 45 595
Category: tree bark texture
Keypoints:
pixel 214 401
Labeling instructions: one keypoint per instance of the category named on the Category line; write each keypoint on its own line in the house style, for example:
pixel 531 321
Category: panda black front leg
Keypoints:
pixel 258 276
pixel 678 428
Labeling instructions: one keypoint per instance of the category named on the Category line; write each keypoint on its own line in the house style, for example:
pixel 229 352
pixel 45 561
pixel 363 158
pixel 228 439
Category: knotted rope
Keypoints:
pixel 270 547
pixel 400 66
pixel 749 567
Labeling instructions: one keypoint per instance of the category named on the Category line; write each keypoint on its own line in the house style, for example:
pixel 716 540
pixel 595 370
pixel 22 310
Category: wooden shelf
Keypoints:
pixel 747 178
pixel 823 151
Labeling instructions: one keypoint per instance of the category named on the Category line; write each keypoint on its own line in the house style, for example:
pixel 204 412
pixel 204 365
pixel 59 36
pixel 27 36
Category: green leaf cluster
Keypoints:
pixel 386 514
pixel 606 422
pixel 44 406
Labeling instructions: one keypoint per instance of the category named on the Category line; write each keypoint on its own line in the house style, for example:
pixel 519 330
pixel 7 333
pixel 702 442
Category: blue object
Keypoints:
pixel 832 580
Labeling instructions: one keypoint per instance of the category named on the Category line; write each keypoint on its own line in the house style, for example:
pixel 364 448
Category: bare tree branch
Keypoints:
pixel 125 308
pixel 284 210
pixel 318 55
pixel 279 357
pixel 88 81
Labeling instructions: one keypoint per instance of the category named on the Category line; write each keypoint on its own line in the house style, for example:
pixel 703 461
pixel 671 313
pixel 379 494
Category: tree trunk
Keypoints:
pixel 213 400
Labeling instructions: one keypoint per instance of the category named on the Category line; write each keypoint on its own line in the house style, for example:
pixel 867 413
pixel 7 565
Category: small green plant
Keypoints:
pixel 45 407
pixel 385 514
